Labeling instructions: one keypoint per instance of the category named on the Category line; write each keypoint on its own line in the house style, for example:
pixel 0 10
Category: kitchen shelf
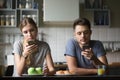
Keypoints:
pixel 101 14
pixel 102 17
pixel 30 13
pixel 3 44
pixel 12 10
pixel 5 17
pixel 93 4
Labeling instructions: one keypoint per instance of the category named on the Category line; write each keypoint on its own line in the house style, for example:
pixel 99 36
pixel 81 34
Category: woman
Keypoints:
pixel 31 55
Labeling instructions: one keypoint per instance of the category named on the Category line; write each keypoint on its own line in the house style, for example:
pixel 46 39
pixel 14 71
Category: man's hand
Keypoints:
pixel 87 53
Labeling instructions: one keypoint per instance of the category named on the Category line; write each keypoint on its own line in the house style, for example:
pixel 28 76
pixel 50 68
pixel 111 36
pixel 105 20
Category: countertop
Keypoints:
pixel 75 77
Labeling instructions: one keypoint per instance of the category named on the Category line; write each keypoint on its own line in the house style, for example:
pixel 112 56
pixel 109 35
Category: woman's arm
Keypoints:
pixel 50 64
pixel 20 60
pixel 72 65
pixel 20 63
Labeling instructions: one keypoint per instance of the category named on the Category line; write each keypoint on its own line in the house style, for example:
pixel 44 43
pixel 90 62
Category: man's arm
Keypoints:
pixel 99 61
pixel 72 66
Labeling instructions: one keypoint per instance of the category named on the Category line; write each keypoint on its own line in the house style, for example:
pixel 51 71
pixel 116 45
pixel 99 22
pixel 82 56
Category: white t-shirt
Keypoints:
pixel 37 58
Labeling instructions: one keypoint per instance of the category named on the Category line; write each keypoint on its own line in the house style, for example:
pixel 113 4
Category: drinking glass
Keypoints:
pixel 101 70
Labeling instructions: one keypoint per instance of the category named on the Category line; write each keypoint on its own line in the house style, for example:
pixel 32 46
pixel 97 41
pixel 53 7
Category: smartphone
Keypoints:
pixel 85 47
pixel 32 42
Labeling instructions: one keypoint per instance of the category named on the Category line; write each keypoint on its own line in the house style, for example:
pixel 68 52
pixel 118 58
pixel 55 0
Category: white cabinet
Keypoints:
pixel 60 10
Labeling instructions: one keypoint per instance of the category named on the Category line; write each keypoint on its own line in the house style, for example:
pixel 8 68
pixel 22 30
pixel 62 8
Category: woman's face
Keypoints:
pixel 29 32
pixel 82 34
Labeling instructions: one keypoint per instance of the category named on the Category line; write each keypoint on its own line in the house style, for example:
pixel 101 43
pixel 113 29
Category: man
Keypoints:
pixel 83 54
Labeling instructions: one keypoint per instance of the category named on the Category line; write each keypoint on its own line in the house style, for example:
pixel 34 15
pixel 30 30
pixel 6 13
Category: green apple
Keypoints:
pixel 31 71
pixel 38 70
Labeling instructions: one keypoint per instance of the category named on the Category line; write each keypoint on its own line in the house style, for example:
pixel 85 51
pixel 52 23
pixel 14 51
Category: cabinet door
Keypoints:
pixel 61 10
pixel 102 18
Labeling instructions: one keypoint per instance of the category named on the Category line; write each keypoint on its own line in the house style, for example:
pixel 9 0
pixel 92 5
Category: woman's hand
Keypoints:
pixel 29 49
pixel 88 53
pixel 45 70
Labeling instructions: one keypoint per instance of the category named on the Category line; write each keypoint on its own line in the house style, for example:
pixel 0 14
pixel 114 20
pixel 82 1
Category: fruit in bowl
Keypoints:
pixel 34 71
pixel 39 70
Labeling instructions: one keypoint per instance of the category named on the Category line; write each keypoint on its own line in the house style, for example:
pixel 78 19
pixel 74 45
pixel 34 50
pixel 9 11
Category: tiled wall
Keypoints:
pixel 106 34
pixel 58 36
pixel 113 57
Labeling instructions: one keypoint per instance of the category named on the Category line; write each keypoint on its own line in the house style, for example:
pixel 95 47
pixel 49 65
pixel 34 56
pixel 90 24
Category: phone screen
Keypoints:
pixel 85 47
pixel 31 42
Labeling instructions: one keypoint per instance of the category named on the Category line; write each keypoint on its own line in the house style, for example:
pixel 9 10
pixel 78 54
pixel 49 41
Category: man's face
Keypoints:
pixel 82 34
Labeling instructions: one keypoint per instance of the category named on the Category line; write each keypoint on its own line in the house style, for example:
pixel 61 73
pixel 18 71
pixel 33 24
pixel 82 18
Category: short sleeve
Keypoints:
pixel 100 49
pixel 70 48
pixel 47 47
pixel 17 47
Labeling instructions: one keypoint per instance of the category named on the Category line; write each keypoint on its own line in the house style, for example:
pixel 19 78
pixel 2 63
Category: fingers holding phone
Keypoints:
pixel 31 42
pixel 87 52
pixel 33 47
pixel 84 48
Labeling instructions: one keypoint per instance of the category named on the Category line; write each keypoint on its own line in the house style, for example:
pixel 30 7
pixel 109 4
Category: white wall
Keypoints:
pixel 58 36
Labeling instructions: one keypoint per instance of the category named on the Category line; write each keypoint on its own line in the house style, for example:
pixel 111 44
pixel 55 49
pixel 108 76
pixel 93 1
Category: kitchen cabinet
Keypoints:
pixel 60 10
pixel 13 11
pixel 28 13
pixel 102 17
pixel 7 14
pixel 101 14
pixel 93 4
pixel 7 18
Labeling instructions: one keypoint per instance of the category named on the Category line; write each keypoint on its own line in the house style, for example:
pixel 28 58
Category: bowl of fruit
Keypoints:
pixel 34 71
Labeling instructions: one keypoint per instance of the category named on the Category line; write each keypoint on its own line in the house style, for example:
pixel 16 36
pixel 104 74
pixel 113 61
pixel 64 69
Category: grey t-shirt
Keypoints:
pixel 37 58
pixel 73 49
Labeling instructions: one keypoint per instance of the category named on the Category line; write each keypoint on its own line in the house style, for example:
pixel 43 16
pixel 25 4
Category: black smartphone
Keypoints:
pixel 85 47
pixel 31 42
